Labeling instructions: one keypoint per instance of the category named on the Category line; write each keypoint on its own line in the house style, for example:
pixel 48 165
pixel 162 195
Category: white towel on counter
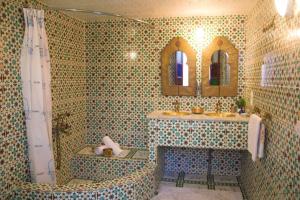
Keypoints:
pixel 115 146
pixel 253 135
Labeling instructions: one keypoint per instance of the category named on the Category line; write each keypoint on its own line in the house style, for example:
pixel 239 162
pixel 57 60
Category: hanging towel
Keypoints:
pixel 253 135
pixel 262 136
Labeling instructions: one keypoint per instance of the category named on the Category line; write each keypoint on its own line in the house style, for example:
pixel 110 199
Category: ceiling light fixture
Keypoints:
pixel 284 7
pixel 297 6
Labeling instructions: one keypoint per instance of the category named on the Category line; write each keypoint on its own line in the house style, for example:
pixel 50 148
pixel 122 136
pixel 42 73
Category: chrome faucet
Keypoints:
pixel 218 107
pixel 176 106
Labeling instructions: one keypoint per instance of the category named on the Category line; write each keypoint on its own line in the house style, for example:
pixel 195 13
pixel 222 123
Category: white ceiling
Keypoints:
pixel 157 8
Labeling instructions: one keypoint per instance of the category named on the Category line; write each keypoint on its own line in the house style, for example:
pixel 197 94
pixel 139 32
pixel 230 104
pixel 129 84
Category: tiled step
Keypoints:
pixel 128 153
pixel 89 166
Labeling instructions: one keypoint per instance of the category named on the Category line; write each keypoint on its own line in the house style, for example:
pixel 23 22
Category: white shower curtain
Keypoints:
pixel 35 74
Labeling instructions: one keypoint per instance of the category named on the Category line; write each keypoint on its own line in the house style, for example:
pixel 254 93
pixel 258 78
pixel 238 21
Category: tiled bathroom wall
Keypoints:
pixel 123 67
pixel 124 84
pixel 115 67
pixel 277 175
pixel 67 50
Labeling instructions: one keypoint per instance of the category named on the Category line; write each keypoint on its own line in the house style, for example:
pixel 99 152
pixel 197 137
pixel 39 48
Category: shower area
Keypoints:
pixel 75 172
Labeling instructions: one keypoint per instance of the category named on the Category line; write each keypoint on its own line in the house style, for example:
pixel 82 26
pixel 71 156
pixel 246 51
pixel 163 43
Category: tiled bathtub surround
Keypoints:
pixel 99 168
pixel 277 175
pixel 98 177
pixel 67 51
pixel 140 185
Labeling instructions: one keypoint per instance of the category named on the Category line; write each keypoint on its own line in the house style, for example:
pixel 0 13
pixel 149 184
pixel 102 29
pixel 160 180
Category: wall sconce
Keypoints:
pixel 285 7
pixel 132 55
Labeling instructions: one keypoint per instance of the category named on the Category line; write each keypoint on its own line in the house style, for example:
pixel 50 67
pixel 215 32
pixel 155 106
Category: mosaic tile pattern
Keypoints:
pixel 195 162
pixel 100 168
pixel 196 134
pixel 191 161
pixel 68 73
pixel 277 176
pixel 122 91
pixel 141 185
pixel 67 50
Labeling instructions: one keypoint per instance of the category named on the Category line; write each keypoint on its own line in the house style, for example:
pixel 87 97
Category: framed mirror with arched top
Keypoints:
pixel 220 68
pixel 178 70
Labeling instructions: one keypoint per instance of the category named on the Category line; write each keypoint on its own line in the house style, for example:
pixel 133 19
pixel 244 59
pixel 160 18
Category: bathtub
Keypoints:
pixel 108 178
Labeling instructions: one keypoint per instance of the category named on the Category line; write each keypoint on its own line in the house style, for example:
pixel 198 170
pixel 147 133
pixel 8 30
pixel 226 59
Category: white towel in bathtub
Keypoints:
pixel 99 150
pixel 253 135
pixel 109 143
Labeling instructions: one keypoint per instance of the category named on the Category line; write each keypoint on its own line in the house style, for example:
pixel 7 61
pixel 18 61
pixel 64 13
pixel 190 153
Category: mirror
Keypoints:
pixel 219 71
pixel 178 71
pixel 220 68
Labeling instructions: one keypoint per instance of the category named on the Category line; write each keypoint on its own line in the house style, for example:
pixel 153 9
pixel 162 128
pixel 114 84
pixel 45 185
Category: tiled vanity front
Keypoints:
pixel 196 131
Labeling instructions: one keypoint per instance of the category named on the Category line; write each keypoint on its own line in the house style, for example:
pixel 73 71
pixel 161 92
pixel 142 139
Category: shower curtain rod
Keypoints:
pixel 99 13
pixel 96 12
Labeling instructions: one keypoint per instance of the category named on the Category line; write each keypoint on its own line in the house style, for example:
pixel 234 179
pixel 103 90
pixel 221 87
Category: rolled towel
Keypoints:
pixel 109 143
pixel 99 150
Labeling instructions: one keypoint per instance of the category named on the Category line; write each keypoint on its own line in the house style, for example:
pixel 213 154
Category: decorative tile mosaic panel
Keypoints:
pixel 197 134
pixel 191 161
pixel 122 91
pixel 277 175
pixel 194 162
pixel 99 168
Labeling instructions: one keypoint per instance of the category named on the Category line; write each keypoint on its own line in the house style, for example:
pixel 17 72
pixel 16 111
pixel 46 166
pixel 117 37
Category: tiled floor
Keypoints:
pixel 168 191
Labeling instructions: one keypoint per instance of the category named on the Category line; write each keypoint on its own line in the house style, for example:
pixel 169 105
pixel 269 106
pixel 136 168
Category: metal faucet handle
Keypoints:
pixel 177 106
pixel 176 102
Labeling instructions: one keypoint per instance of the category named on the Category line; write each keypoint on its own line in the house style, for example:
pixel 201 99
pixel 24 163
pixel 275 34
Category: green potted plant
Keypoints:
pixel 241 104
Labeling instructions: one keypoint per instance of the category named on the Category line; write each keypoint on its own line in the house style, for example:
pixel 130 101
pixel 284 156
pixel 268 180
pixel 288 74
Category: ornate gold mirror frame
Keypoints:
pixel 220 43
pixel 178 44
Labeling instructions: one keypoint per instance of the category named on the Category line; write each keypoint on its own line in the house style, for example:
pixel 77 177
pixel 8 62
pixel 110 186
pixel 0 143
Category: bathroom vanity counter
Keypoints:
pixel 159 114
pixel 196 131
